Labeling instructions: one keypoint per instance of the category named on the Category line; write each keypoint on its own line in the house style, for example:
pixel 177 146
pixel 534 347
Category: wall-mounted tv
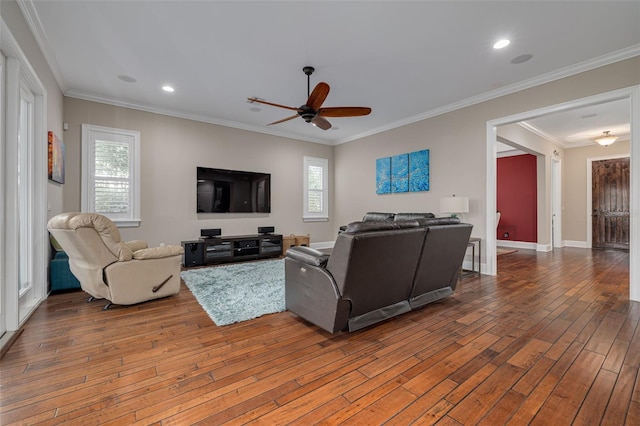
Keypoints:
pixel 233 191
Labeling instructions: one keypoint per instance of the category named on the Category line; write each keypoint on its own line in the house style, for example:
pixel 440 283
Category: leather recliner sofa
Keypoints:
pixel 377 270
pixel 391 217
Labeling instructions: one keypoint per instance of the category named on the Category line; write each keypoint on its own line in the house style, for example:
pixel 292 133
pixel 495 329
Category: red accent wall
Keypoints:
pixel 517 198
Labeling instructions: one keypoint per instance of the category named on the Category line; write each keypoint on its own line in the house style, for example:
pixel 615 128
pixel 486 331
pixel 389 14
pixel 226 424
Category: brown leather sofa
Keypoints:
pixel 377 270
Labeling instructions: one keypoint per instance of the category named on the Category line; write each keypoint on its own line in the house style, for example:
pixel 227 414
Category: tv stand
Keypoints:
pixel 208 251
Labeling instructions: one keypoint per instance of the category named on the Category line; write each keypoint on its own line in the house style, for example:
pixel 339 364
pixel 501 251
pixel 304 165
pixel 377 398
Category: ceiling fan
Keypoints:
pixel 312 111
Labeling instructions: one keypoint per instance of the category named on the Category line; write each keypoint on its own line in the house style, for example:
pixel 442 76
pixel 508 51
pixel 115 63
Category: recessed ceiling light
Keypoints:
pixel 254 109
pixel 501 43
pixel 127 78
pixel 168 89
pixel 522 58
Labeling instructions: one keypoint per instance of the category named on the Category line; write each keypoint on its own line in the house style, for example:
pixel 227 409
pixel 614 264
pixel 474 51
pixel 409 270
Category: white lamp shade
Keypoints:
pixel 454 205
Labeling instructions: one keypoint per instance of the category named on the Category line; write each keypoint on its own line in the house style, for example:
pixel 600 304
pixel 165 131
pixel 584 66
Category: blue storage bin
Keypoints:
pixel 60 275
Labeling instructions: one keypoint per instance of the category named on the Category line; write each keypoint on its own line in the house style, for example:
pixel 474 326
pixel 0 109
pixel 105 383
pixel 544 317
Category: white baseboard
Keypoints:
pixel 517 244
pixel 323 245
pixel 579 244
pixel 543 247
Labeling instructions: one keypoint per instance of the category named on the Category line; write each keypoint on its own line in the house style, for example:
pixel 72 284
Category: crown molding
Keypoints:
pixel 600 61
pixel 33 21
pixel 549 138
pixel 31 16
pixel 194 117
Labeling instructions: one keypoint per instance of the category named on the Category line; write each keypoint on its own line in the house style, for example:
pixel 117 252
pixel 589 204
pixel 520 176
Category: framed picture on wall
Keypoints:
pixel 400 173
pixel 383 175
pixel 56 158
pixel 419 170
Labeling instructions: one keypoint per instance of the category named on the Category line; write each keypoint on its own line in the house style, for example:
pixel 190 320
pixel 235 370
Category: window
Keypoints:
pixel 26 129
pixel 110 173
pixel 316 193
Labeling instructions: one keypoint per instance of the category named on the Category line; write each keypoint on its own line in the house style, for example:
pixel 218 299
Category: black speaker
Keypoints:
pixel 266 229
pixel 193 254
pixel 209 233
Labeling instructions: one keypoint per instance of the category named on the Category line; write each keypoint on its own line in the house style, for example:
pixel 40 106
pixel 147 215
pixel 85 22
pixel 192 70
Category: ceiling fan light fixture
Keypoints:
pixel 312 111
pixel 606 139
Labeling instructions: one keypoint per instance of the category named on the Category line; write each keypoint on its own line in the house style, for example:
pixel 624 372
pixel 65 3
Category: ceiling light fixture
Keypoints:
pixel 127 78
pixel 500 44
pixel 606 139
pixel 522 58
pixel 168 89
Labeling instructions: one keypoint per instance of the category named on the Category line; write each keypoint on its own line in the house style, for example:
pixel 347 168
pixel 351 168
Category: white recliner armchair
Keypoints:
pixel 108 268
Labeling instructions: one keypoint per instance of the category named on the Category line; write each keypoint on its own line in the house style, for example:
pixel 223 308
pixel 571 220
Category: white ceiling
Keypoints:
pixel 406 60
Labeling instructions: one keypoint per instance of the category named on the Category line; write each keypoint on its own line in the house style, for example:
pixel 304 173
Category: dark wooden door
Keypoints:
pixel 610 190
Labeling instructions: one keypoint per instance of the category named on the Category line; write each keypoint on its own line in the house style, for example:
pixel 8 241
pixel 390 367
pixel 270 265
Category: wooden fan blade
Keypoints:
pixel 321 122
pixel 344 111
pixel 260 101
pixel 283 120
pixel 317 97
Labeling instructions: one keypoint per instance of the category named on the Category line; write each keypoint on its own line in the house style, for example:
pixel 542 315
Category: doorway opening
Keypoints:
pixel 632 97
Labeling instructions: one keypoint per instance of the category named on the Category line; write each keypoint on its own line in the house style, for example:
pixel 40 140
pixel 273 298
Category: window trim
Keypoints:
pixel 324 215
pixel 133 219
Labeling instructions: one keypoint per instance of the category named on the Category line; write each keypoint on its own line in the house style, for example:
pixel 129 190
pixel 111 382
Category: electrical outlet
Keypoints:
pixel 506 235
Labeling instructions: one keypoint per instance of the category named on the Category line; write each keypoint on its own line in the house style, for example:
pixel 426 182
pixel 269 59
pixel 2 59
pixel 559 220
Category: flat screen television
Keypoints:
pixel 233 191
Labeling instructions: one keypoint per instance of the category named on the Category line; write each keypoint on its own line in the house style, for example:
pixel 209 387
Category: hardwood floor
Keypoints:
pixel 552 340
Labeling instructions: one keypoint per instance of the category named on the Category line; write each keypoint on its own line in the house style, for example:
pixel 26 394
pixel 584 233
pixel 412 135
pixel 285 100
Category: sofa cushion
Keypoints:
pixel 107 230
pixel 410 216
pixel 439 221
pixel 157 252
pixel 378 217
pixel 354 227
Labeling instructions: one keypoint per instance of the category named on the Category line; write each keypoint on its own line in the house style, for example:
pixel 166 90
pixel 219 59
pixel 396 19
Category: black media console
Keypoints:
pixel 207 251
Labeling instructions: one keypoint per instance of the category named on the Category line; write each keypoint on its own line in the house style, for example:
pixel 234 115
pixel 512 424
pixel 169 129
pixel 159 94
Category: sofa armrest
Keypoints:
pixel 308 256
pixel 136 245
pixel 311 293
pixel 158 252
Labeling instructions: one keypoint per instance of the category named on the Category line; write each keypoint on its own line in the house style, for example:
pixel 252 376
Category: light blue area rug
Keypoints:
pixel 238 292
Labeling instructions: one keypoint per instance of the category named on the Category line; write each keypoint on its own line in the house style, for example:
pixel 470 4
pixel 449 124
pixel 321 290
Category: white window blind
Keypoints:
pixel 111 178
pixel 110 173
pixel 316 189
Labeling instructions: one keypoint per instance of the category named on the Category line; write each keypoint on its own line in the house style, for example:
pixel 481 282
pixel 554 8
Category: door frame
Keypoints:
pixel 590 161
pixel 556 203
pixel 18 68
pixel 632 94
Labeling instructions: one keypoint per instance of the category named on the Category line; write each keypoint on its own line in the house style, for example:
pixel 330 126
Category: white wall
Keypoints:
pixel 172 148
pixel 457 144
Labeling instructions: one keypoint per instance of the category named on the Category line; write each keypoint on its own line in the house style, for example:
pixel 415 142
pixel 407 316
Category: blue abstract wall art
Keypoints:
pixel 419 171
pixel 403 173
pixel 400 173
pixel 383 175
